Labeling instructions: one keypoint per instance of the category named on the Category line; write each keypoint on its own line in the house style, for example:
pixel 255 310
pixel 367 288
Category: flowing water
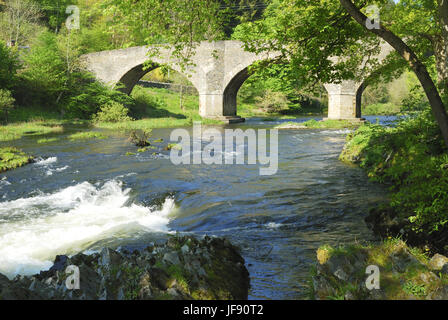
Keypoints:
pixel 81 196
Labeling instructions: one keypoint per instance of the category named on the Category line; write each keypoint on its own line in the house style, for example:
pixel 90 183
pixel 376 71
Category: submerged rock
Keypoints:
pixel 182 268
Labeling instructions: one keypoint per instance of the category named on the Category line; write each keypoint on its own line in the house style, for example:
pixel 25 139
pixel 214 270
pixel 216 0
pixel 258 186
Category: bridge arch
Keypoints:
pixel 217 72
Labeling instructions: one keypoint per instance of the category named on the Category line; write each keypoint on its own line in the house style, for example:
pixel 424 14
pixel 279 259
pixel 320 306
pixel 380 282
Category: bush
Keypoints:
pixel 412 157
pixel 272 102
pixel 112 112
pixel 378 109
pixel 6 102
pixel 89 96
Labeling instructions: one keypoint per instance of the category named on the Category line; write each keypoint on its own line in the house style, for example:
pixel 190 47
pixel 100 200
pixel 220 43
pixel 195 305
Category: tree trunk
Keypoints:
pixel 441 47
pixel 441 55
pixel 416 65
pixel 359 93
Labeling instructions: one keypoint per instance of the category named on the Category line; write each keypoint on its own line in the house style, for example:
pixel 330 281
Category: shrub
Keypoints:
pixel 6 102
pixel 272 102
pixel 412 158
pixel 112 112
pixel 381 109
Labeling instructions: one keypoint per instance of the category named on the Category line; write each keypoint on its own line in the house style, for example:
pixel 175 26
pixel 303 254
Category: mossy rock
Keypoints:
pixel 404 273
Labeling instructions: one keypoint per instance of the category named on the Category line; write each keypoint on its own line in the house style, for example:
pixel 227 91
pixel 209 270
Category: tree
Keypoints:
pixel 45 69
pixel 308 33
pixel 6 102
pixel 8 66
pixel 180 24
pixel 19 19
pixel 413 60
pixel 54 12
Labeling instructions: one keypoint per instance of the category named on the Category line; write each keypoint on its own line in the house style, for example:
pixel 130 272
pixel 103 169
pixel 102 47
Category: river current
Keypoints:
pixel 84 195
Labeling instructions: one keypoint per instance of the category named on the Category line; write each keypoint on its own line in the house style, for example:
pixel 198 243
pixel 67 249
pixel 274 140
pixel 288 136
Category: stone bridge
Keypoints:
pixel 218 71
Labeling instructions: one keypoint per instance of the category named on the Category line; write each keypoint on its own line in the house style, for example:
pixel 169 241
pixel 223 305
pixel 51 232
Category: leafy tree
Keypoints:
pixel 309 33
pixel 6 102
pixel 45 71
pixel 8 66
pixel 178 23
pixel 440 15
pixel 19 20
pixel 54 12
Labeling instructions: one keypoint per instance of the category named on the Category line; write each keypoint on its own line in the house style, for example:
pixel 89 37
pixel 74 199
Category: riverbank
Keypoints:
pixel 182 268
pixel 411 158
pixel 387 271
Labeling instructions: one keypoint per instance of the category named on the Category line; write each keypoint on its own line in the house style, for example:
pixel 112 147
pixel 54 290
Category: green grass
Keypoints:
pixel 250 110
pixel 17 131
pixel 47 140
pixel 384 109
pixel 325 124
pixel 85 135
pixel 11 158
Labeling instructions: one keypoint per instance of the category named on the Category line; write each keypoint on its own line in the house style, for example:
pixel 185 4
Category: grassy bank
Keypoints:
pixel 413 160
pixel 11 158
pixel 324 124
pixel 17 131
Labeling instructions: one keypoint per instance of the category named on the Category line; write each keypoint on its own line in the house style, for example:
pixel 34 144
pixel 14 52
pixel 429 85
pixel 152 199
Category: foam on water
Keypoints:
pixel 45 162
pixel 34 230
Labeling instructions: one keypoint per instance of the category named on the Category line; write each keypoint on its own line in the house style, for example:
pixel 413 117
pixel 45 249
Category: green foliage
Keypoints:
pixel 11 158
pixel 147 104
pixel 86 135
pixel 112 112
pixel 417 290
pixel 180 23
pixel 381 109
pixel 413 159
pixel 272 102
pixel 8 66
pixel 45 76
pixel 6 102
pixel 88 96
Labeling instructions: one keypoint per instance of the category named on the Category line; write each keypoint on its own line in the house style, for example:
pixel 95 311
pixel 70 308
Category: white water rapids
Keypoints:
pixel 34 230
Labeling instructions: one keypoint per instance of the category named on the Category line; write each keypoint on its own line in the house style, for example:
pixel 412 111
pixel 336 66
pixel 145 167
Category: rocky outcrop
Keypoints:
pixel 404 273
pixel 182 268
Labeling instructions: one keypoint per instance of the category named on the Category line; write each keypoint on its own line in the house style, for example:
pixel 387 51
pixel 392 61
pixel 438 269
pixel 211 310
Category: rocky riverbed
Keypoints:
pixel 181 268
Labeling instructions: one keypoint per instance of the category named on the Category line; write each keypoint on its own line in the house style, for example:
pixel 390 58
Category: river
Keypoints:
pixel 84 195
